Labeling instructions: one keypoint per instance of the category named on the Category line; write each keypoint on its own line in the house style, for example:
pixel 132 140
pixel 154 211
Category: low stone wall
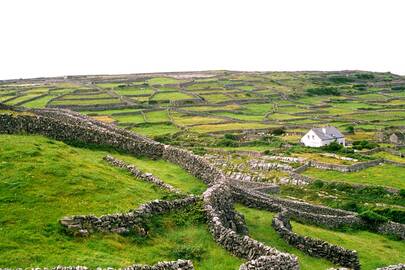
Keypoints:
pixel 94 107
pixel 68 128
pixel 148 177
pixel 195 165
pixel 122 222
pixel 393 267
pixel 314 247
pixel 344 168
pixel 217 201
pixel 173 265
pixel 392 228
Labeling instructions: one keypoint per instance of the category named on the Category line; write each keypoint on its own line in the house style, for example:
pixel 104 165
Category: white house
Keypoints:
pixel 317 137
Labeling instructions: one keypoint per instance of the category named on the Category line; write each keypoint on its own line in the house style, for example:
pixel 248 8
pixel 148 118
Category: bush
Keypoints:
pixel 402 193
pixel 350 206
pixel 372 218
pixel 350 129
pixel 340 79
pixel 396 215
pixel 332 147
pixel 278 131
pixel 398 88
pixel 188 253
pixel 323 91
pixel 229 136
pixel 359 145
pixel 199 151
pixel 318 183
pixel 267 152
pixel 365 76
pixel 227 143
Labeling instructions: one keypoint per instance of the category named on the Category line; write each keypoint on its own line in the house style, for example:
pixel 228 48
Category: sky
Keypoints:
pixel 69 37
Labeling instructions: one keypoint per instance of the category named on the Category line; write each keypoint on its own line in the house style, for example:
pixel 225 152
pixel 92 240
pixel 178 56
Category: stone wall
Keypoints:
pixel 173 265
pixel 346 168
pixel 314 247
pixel 217 200
pixel 132 221
pixel 148 177
pixel 393 267
pixel 67 128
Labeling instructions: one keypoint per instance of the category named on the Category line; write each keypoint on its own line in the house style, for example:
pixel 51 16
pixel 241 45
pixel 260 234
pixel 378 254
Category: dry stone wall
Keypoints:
pixel 133 221
pixel 173 265
pixel 148 177
pixel 314 247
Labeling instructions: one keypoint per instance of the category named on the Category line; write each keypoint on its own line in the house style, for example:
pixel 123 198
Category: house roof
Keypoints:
pixel 400 135
pixel 328 133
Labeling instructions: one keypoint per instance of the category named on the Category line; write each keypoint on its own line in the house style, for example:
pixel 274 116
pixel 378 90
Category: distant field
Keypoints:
pixel 382 175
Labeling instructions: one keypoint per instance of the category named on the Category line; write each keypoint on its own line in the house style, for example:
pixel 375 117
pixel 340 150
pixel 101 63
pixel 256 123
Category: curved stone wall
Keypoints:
pixel 314 247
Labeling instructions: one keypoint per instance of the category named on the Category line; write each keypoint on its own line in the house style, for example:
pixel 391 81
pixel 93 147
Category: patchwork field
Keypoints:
pixel 244 125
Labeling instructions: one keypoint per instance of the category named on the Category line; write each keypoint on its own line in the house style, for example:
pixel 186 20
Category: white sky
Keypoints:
pixel 65 37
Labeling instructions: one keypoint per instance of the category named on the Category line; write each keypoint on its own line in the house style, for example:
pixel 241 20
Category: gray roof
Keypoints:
pixel 328 133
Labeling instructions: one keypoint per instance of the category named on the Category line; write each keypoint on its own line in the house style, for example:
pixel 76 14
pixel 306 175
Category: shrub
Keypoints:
pixel 402 193
pixel 398 88
pixel 278 131
pixel 229 136
pixel 227 143
pixel 365 76
pixel 350 129
pixel 188 253
pixel 350 206
pixel 323 91
pixel 268 152
pixel 199 151
pixel 332 147
pixel 340 79
pixel 372 218
pixel 359 145
pixel 318 183
pixel 396 215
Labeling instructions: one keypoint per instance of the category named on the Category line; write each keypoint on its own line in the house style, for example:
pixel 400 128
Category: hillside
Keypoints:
pixel 205 167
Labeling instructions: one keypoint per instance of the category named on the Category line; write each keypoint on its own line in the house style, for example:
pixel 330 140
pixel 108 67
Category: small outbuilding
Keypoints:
pixel 318 137
pixel 397 138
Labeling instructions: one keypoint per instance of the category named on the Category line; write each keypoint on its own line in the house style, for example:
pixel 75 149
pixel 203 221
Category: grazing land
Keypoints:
pixel 245 169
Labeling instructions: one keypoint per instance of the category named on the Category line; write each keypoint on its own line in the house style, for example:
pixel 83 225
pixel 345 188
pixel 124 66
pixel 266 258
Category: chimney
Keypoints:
pixel 324 130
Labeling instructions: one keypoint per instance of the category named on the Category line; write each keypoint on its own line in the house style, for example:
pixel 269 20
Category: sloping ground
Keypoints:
pixel 42 180
pixel 374 250
pixel 384 175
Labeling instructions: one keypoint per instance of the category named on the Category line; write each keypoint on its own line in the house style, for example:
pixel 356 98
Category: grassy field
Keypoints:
pixel 374 250
pixel 47 180
pixel 382 175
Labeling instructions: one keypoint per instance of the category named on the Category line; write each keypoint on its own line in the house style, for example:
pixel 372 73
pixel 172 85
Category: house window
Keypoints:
pixel 313 137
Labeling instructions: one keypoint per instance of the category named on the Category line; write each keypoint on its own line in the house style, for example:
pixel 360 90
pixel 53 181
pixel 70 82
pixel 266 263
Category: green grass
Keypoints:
pixel 259 225
pixel 374 250
pixel 152 129
pixel 157 116
pixel 21 99
pixel 215 98
pixel 229 126
pixel 383 175
pixel 163 80
pixel 129 118
pixel 171 96
pixel 86 102
pixel 241 116
pixel 134 91
pixel 38 103
pixel 95 96
pixel 42 180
